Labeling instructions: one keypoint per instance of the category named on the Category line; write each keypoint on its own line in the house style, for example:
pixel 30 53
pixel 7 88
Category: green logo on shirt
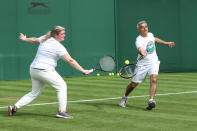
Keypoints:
pixel 150 47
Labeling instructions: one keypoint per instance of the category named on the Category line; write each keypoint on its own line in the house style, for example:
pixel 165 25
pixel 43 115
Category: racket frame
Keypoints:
pixel 123 67
pixel 133 64
pixel 98 66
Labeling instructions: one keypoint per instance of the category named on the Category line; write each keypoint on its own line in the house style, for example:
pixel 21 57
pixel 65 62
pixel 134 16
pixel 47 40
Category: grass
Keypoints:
pixel 175 112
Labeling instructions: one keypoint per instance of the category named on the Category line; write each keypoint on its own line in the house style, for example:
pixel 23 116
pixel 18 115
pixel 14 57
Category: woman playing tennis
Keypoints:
pixel 145 44
pixel 42 69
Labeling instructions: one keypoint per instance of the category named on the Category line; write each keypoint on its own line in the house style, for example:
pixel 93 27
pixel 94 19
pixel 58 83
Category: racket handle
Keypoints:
pixel 91 70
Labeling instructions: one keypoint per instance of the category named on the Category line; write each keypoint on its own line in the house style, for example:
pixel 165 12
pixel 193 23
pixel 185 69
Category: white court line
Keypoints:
pixel 102 99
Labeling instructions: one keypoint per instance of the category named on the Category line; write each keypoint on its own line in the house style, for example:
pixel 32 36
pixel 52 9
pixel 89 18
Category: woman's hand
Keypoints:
pixel 86 72
pixel 32 40
pixel 22 37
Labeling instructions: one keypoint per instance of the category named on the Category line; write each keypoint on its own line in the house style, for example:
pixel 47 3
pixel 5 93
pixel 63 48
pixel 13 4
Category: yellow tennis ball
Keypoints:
pixel 126 62
pixel 118 74
pixel 97 74
pixel 109 74
pixel 112 74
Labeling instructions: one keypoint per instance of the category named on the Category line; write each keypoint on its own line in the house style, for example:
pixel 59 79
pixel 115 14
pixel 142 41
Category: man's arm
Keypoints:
pixel 32 40
pixel 170 44
pixel 141 52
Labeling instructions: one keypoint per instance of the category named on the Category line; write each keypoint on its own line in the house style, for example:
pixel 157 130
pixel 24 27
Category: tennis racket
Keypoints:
pixel 127 71
pixel 106 63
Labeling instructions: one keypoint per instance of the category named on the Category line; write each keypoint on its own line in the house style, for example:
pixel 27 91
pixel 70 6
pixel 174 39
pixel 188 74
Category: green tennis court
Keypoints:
pixel 93 102
pixel 95 28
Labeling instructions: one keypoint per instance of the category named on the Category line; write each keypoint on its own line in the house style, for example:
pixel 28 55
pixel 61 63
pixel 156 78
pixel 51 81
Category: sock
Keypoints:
pixel 150 100
pixel 125 96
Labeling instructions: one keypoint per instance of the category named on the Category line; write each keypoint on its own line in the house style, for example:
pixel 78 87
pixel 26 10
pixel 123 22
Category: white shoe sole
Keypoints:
pixel 60 116
pixel 122 106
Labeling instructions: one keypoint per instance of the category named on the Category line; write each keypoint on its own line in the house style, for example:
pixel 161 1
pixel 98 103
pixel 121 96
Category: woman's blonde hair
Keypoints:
pixel 55 31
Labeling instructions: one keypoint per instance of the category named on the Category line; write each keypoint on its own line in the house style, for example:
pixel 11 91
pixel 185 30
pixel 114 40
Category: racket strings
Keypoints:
pixel 107 63
pixel 127 71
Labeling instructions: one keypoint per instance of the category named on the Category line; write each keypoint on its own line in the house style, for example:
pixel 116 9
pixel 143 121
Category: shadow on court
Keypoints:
pixel 25 114
pixel 101 106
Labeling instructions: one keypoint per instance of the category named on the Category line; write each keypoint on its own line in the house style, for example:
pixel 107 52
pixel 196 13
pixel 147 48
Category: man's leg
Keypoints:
pixel 153 85
pixel 129 89
pixel 153 88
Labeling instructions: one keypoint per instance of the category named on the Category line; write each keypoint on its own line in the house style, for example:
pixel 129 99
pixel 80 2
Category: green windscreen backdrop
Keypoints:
pixel 95 28
pixel 170 20
pixel 89 32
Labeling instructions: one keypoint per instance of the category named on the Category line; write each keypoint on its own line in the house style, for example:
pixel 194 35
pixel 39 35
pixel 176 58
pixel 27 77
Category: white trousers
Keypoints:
pixel 39 79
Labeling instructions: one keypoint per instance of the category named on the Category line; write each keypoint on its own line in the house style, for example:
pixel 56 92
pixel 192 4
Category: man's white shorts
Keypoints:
pixel 142 70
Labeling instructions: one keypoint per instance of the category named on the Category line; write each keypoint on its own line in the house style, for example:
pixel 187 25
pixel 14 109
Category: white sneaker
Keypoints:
pixel 123 102
pixel 63 115
pixel 11 110
pixel 151 104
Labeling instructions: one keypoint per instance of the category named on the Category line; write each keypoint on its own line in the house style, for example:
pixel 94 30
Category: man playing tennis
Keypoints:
pixel 145 44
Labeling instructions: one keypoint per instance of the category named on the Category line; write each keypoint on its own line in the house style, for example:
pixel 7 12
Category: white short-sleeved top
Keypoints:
pixel 48 53
pixel 148 45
